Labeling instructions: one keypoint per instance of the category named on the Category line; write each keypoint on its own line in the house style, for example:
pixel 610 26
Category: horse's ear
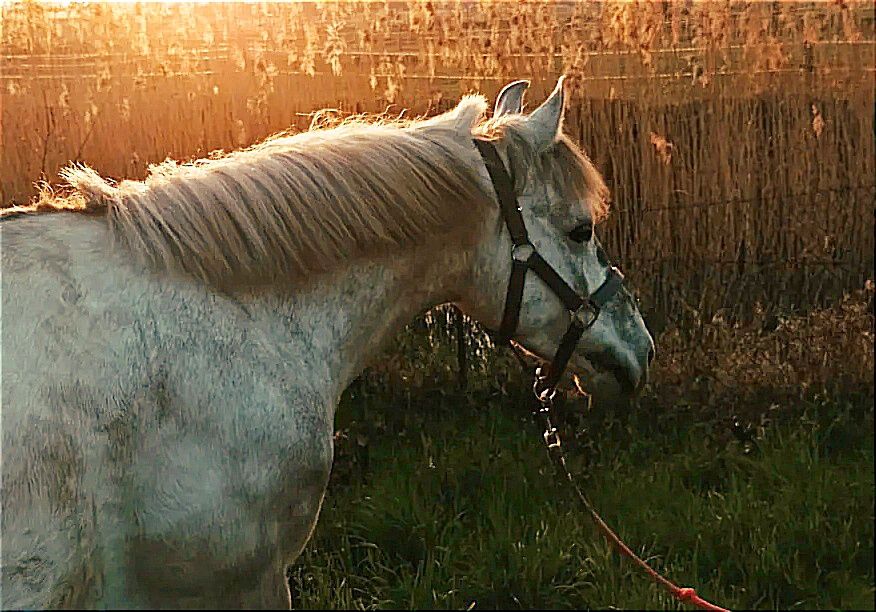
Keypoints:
pixel 546 122
pixel 510 99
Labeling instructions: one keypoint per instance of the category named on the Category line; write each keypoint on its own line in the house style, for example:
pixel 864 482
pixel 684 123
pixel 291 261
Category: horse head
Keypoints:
pixel 562 282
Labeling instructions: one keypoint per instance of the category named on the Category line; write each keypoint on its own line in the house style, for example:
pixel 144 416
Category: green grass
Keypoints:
pixel 447 500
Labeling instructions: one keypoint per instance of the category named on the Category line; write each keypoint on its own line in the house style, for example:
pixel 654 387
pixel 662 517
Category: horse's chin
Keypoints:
pixel 601 385
pixel 590 379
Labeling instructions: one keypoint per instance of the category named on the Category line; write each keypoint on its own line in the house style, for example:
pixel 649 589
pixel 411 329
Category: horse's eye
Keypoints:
pixel 581 234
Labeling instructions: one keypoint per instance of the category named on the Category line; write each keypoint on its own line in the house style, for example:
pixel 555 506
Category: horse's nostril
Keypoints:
pixel 650 355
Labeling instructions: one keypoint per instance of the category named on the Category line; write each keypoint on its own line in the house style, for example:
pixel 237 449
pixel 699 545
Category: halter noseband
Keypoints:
pixel 583 310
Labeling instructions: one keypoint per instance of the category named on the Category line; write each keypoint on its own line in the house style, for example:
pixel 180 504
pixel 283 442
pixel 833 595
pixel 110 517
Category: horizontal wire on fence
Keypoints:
pixel 696 343
pixel 223 53
pixel 216 53
pixel 770 263
pixel 801 70
pixel 604 53
pixel 750 200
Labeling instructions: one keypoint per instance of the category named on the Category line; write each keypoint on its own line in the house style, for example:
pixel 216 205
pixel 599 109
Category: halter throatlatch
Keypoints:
pixel 583 311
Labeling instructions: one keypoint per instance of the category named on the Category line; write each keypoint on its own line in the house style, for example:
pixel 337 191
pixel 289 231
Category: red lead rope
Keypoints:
pixel 685 594
pixel 555 451
pixel 545 398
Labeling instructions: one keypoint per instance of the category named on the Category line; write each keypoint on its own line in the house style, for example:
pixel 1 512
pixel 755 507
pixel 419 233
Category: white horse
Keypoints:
pixel 173 352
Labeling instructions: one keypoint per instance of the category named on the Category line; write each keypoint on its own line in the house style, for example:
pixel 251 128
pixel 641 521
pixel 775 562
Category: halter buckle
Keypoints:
pixel 585 315
pixel 522 252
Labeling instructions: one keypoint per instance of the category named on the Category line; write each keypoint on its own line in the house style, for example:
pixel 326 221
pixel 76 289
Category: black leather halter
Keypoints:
pixel 583 310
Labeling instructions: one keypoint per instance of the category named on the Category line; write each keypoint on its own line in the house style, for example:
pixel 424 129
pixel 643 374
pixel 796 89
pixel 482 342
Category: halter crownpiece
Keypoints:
pixel 583 311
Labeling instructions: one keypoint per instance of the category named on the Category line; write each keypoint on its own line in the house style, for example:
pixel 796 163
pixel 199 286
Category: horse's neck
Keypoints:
pixel 347 317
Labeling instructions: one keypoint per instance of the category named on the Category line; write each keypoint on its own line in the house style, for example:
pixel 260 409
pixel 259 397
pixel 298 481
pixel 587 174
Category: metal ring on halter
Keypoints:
pixel 585 315
pixel 522 252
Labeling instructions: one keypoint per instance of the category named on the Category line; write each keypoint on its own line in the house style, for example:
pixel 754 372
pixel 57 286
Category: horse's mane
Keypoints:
pixel 296 205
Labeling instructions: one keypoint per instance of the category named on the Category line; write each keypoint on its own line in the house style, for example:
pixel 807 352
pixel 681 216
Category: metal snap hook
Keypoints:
pixel 544 395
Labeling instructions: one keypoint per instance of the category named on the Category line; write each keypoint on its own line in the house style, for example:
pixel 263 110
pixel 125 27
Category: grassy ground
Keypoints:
pixel 444 499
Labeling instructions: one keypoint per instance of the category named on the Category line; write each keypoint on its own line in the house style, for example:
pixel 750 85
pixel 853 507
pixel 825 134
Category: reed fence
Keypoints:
pixel 737 138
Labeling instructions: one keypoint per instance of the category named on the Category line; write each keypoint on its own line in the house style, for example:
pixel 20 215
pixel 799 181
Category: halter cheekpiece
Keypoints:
pixel 583 310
